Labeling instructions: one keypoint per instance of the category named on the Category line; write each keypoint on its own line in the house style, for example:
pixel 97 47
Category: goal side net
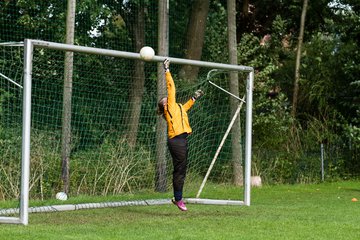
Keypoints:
pixel 85 122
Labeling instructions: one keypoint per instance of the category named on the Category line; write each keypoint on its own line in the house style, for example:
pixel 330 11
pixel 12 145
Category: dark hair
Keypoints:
pixel 160 108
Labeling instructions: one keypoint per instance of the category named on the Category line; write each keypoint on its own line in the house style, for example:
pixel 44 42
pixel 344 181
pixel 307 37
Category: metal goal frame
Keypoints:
pixel 29 46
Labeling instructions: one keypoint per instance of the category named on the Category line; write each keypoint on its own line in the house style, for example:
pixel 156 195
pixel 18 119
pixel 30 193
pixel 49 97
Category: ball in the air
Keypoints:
pixel 147 53
pixel 61 196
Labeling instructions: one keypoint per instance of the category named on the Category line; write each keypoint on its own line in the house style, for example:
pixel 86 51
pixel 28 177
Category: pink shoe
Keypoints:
pixel 180 204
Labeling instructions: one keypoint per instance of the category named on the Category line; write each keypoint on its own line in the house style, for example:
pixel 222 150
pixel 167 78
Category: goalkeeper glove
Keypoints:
pixel 166 64
pixel 197 94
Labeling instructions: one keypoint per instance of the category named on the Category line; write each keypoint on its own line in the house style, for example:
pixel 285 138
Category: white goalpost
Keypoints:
pixel 27 86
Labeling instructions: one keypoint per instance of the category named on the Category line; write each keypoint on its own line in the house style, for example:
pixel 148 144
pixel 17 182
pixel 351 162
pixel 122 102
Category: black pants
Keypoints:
pixel 178 147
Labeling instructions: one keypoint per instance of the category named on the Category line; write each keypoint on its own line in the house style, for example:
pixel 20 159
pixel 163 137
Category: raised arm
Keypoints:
pixel 199 93
pixel 170 85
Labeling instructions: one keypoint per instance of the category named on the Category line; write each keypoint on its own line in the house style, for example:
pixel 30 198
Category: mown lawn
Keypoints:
pixel 319 211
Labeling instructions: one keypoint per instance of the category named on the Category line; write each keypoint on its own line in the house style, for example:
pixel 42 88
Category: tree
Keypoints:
pixel 234 88
pixel 163 43
pixel 137 88
pixel 195 37
pixel 298 59
pixel 67 98
pixel 32 19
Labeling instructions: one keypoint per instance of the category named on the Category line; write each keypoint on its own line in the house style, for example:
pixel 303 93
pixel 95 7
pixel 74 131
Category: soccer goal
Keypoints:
pixel 95 110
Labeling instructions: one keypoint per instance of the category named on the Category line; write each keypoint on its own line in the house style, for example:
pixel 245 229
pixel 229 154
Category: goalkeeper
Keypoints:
pixel 179 128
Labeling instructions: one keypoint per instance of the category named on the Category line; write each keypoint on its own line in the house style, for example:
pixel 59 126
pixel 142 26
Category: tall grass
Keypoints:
pixel 294 155
pixel 114 167
pixel 111 168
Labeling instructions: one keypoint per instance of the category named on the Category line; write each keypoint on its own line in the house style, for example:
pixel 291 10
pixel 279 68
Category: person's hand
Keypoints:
pixel 199 93
pixel 166 64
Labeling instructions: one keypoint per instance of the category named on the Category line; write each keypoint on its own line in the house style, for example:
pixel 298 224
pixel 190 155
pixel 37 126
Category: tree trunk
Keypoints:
pixel 298 59
pixel 163 50
pixel 137 88
pixel 245 8
pixel 195 38
pixel 243 22
pixel 234 88
pixel 67 96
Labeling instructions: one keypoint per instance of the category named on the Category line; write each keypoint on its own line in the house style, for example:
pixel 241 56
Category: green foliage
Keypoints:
pixel 271 118
pixel 320 84
pixel 215 42
pixel 3 97
pixel 285 149
pixel 353 131
pixel 43 164
pixel 10 145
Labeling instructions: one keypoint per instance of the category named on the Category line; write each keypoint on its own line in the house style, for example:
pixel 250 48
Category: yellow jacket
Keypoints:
pixel 176 113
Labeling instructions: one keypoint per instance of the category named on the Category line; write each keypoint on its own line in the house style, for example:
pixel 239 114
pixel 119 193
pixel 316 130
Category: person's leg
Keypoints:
pixel 178 148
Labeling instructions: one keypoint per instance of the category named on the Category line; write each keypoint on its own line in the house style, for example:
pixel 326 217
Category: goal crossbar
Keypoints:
pixel 29 46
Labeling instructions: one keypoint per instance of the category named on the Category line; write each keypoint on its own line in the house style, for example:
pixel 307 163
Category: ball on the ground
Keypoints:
pixel 61 196
pixel 255 181
pixel 147 53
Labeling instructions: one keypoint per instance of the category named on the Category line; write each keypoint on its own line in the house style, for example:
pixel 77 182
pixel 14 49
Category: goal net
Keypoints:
pixel 87 119
pixel 11 93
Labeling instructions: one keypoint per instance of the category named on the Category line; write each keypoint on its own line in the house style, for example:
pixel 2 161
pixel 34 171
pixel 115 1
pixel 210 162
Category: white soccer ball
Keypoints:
pixel 255 181
pixel 61 196
pixel 147 53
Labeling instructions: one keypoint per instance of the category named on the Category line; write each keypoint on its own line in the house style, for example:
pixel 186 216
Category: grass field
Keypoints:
pixel 319 211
